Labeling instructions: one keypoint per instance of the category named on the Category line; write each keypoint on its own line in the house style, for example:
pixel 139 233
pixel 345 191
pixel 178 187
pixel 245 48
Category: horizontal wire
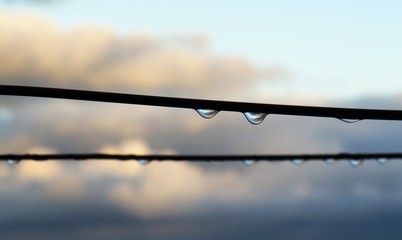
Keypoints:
pixel 203 158
pixel 313 111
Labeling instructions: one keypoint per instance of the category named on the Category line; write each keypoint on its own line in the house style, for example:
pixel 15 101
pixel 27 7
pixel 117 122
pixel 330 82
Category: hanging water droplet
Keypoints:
pixel 255 118
pixel 207 113
pixel 347 120
pixel 382 161
pixel 297 161
pixel 329 161
pixel 355 162
pixel 249 162
pixel 12 162
pixel 143 161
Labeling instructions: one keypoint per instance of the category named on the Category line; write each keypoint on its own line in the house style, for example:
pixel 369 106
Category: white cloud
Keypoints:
pixel 97 58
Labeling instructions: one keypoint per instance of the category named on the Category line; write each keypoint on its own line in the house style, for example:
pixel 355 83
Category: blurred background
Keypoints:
pixel 324 53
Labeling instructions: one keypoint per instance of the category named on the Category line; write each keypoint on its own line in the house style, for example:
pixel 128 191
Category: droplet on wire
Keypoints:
pixel 382 161
pixel 249 162
pixel 207 113
pixel 355 162
pixel 329 161
pixel 12 162
pixel 348 120
pixel 297 162
pixel 255 118
pixel 143 161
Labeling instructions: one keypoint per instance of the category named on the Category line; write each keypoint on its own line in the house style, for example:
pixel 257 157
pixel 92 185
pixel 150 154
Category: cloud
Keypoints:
pixel 5 114
pixel 225 194
pixel 205 195
pixel 97 58
pixel 157 189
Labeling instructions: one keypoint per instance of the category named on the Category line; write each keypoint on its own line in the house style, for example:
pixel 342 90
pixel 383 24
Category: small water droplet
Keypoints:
pixel 382 161
pixel 355 162
pixel 12 162
pixel 329 161
pixel 143 161
pixel 297 162
pixel 207 113
pixel 255 118
pixel 347 120
pixel 249 162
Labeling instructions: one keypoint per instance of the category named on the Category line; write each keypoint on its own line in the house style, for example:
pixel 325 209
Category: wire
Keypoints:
pixel 202 158
pixel 346 114
pixel 206 108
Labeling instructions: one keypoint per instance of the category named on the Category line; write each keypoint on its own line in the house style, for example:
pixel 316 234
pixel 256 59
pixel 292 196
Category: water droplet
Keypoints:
pixel 207 113
pixel 329 161
pixel 347 120
pixel 249 162
pixel 143 161
pixel 355 162
pixel 12 162
pixel 297 162
pixel 255 118
pixel 382 161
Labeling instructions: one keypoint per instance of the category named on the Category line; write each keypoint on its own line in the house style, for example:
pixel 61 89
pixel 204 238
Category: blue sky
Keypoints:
pixel 335 50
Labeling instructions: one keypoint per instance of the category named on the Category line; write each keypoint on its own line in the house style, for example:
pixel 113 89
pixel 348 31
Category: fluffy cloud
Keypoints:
pixel 35 52
pixel 160 188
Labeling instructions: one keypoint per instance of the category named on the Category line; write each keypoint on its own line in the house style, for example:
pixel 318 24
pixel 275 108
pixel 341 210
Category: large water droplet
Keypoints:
pixel 382 161
pixel 329 161
pixel 143 161
pixel 249 162
pixel 255 118
pixel 347 120
pixel 12 162
pixel 355 162
pixel 207 113
pixel 297 161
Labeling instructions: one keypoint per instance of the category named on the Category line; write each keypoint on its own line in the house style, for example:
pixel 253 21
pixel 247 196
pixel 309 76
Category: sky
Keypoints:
pixel 293 52
pixel 333 50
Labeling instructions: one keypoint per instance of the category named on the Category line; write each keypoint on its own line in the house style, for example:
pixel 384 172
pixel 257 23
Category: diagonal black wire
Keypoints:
pixel 329 112
pixel 204 158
